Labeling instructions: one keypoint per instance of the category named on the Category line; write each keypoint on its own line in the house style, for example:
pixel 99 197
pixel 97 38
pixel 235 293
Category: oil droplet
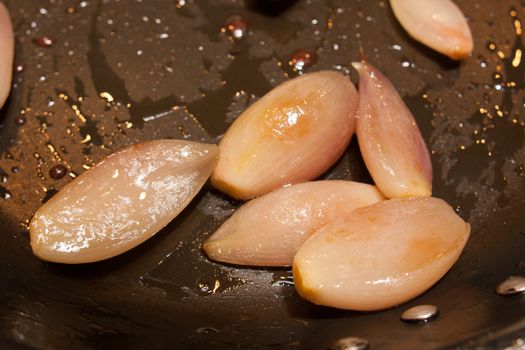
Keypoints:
pixel 420 313
pixel 180 3
pixel 20 120
pixel 71 10
pixel 3 177
pixel 302 59
pixel 236 27
pixel 282 283
pixel 282 279
pixel 5 194
pixel 206 287
pixel 58 171
pixel 206 330
pixel 45 41
pixel 19 68
pixel 512 285
pixel 482 61
pixel 107 96
pixel 350 343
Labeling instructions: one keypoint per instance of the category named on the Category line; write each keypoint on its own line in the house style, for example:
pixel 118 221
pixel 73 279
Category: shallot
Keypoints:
pixel 121 202
pixel 291 135
pixel 268 230
pixel 390 141
pixel 381 255
pixel 439 24
pixel 7 49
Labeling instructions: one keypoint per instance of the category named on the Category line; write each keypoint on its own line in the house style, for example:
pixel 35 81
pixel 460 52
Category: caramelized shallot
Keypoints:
pixel 390 141
pixel 291 135
pixel 121 202
pixel 381 255
pixel 7 50
pixel 269 230
pixel 439 24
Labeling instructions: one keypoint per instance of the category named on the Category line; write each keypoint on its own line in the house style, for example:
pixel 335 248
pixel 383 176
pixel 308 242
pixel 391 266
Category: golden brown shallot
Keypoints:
pixel 439 24
pixel 381 255
pixel 121 202
pixel 268 230
pixel 390 141
pixel 7 49
pixel 291 135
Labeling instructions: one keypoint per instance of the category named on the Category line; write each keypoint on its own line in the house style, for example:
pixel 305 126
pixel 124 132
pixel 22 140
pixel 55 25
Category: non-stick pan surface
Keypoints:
pixel 94 76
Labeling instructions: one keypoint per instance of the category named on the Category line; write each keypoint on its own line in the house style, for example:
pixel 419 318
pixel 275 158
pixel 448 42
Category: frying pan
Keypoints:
pixel 120 72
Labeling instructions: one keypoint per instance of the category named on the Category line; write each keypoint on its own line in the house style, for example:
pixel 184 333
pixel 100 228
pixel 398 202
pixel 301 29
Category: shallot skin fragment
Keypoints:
pixel 122 201
pixel 380 256
pixel 389 139
pixel 291 135
pixel 268 230
pixel 439 24
pixel 7 49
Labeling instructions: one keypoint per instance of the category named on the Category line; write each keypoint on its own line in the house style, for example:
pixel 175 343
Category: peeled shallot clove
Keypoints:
pixel 381 255
pixel 121 202
pixel 268 230
pixel 291 135
pixel 439 24
pixel 390 141
pixel 7 50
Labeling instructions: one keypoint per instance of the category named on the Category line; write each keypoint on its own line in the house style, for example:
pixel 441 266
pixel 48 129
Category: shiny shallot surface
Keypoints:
pixel 381 255
pixel 291 135
pixel 390 141
pixel 121 202
pixel 7 46
pixel 269 230
pixel 439 24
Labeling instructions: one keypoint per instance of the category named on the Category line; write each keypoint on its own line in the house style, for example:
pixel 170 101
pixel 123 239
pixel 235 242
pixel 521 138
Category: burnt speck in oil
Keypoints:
pixel 236 27
pixel 302 59
pixel 58 171
pixel 45 41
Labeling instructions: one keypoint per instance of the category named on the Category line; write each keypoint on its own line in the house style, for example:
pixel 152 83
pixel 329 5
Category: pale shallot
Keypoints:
pixel 381 255
pixel 439 24
pixel 268 230
pixel 7 49
pixel 121 202
pixel 390 141
pixel 291 135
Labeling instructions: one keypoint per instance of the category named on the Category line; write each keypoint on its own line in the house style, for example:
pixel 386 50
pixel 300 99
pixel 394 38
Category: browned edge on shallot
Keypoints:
pixel 380 256
pixel 292 134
